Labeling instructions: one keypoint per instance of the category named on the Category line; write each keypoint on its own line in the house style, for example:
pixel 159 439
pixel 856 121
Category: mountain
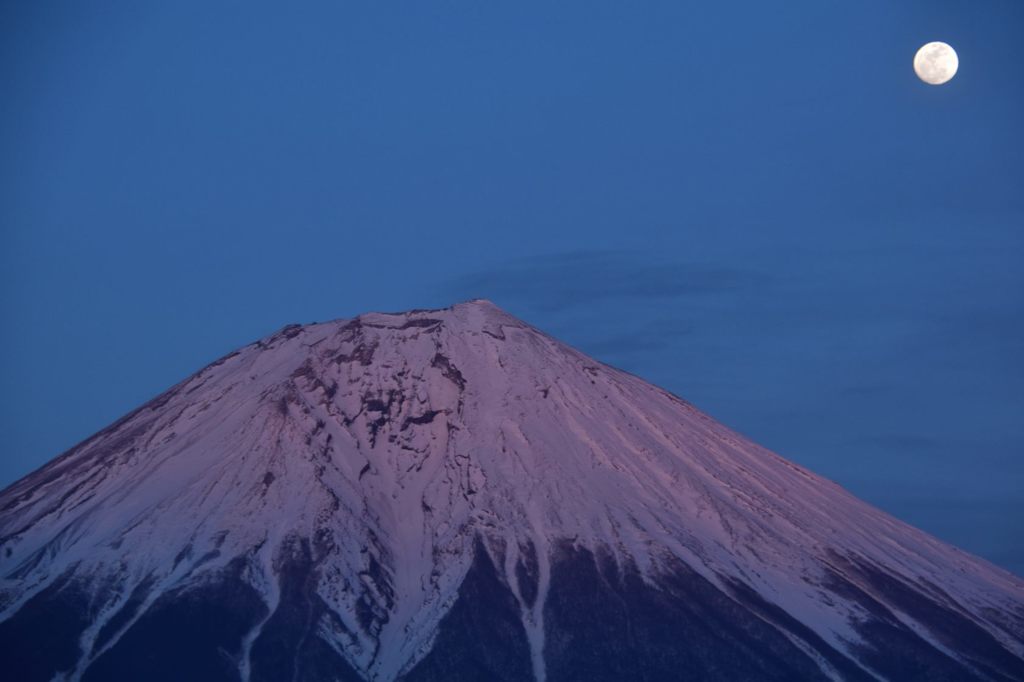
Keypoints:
pixel 452 495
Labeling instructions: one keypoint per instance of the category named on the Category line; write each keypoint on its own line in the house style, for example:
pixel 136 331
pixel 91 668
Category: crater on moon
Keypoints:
pixel 936 63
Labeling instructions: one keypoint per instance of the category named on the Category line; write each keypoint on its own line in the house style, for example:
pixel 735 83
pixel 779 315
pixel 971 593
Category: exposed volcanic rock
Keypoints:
pixel 453 495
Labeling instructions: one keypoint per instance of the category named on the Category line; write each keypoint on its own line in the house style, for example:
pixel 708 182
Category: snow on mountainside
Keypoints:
pixel 452 494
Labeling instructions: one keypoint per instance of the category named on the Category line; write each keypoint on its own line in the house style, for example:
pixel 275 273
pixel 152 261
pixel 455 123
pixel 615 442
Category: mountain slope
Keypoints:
pixel 453 495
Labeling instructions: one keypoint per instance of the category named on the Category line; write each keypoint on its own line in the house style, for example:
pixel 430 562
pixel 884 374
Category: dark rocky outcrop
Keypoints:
pixel 288 646
pixel 605 624
pixel 41 639
pixel 482 636
pixel 192 633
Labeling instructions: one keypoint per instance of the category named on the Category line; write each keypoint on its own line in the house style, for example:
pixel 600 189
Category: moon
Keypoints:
pixel 936 63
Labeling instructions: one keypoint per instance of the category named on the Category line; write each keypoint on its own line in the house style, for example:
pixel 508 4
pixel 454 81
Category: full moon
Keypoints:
pixel 936 63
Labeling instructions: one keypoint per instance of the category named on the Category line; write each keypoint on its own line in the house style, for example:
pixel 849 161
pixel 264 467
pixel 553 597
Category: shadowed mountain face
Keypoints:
pixel 453 495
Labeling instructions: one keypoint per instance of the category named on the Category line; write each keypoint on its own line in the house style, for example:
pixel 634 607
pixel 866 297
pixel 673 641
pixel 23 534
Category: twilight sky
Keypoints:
pixel 755 205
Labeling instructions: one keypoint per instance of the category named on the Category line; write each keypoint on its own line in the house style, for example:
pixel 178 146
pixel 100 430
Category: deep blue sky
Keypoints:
pixel 756 205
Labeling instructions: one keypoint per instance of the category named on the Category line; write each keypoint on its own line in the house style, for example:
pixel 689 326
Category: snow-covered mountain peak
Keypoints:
pixel 394 464
pixel 474 314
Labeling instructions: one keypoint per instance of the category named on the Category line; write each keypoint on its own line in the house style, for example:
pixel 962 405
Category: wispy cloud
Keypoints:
pixel 903 443
pixel 579 278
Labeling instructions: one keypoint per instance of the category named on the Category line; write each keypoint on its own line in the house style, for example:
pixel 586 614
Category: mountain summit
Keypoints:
pixel 447 495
